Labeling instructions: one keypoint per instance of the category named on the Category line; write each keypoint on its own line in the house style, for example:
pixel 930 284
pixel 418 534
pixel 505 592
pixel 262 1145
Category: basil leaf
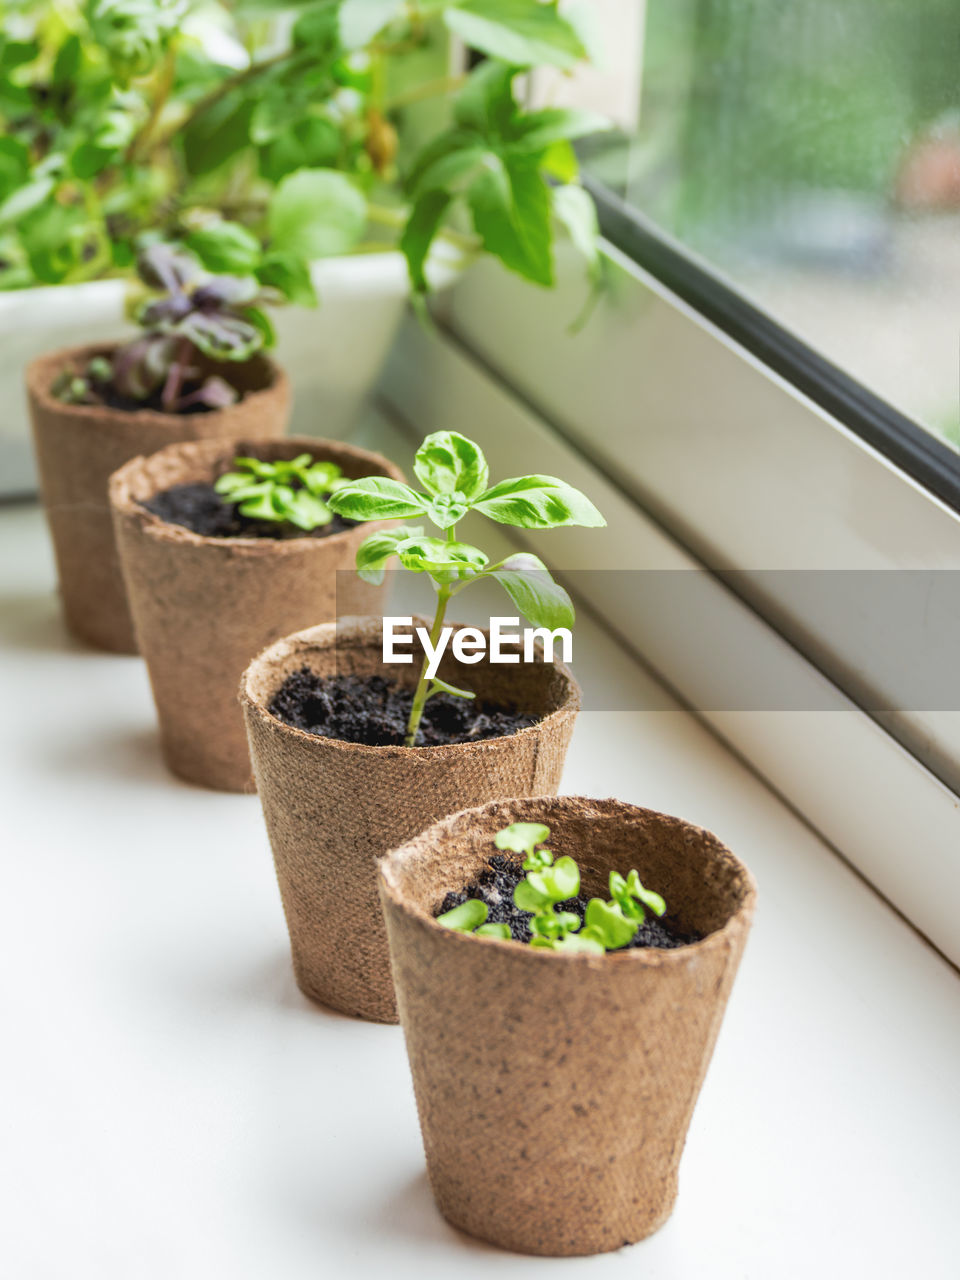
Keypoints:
pixel 538 502
pixel 563 879
pixel 510 205
pixel 316 213
pixel 444 561
pixel 608 923
pixel 376 549
pixel 418 235
pixel 494 931
pixel 377 498
pixel 538 129
pixel 528 583
pixel 466 917
pixel 522 32
pixel 449 463
pixel 486 104
pixel 226 247
pixel 521 837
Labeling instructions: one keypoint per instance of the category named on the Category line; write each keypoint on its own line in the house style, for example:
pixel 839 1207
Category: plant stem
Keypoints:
pixel 422 691
pixel 419 92
pixel 420 696
pixel 175 376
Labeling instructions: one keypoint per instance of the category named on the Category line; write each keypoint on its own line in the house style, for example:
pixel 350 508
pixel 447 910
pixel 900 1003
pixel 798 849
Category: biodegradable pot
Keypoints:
pixel 79 446
pixel 203 607
pixel 332 807
pixel 554 1091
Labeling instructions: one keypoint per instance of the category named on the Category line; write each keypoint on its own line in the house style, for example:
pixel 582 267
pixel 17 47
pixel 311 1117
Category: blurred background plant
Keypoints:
pixel 265 135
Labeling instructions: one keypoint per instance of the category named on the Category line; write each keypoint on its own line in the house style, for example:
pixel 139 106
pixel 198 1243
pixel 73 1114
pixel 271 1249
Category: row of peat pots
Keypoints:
pixel 594 1060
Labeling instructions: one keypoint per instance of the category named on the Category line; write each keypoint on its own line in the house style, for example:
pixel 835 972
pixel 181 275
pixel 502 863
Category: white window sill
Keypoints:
pixel 175 1108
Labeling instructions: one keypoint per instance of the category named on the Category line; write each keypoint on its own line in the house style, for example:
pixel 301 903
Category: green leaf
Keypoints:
pixel 529 584
pixel 646 896
pixel 562 879
pixel 607 922
pixel 449 463
pixel 290 274
pixel 486 104
pixel 419 233
pixel 525 33
pixel 316 213
pixel 528 897
pixel 213 136
pixel 444 561
pixel 538 502
pixel 559 162
pixel 466 917
pixel 510 205
pixel 25 200
pixel 377 548
pixel 311 143
pixel 493 931
pixel 361 20
pixel 575 209
pixel 226 247
pixel 538 129
pixel 455 171
pixel 521 837
pixel 580 942
pixel 377 498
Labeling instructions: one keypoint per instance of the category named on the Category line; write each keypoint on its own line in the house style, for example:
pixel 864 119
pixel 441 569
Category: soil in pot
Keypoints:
pixel 495 885
pixel 201 509
pixel 374 711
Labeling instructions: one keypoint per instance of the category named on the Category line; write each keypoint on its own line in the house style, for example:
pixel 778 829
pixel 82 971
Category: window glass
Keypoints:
pixel 811 152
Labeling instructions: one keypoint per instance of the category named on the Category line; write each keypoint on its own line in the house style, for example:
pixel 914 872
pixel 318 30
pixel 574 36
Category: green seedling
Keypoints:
pixel 607 926
pixel 294 491
pixel 455 476
pixel 471 917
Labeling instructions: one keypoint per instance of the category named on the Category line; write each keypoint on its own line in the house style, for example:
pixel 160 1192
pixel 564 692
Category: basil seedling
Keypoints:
pixel 193 319
pixel 470 917
pixel 294 491
pixel 454 475
pixel 606 926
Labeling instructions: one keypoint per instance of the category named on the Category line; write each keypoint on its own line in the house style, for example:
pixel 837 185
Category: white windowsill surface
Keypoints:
pixel 173 1109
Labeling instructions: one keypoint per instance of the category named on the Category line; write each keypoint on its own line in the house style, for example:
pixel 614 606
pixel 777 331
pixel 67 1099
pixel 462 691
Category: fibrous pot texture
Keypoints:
pixel 78 447
pixel 332 808
pixel 204 606
pixel 555 1091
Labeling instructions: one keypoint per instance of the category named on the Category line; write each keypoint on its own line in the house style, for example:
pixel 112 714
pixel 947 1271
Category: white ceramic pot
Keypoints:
pixel 333 355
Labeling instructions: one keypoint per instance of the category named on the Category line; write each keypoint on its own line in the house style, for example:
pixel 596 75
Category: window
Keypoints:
pixel 811 153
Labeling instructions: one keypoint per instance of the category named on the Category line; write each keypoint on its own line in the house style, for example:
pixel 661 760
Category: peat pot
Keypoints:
pixel 204 606
pixel 332 808
pixel 555 1090
pixel 79 446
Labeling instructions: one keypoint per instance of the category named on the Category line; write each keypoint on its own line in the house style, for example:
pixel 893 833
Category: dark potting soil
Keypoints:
pixel 200 508
pixel 495 886
pixel 375 711
pixel 113 400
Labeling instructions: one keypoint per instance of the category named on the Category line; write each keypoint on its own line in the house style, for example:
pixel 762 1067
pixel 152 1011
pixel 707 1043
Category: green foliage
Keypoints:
pixel 454 475
pixel 607 926
pixel 191 317
pixel 495 161
pixel 293 491
pixel 264 143
pixel 470 917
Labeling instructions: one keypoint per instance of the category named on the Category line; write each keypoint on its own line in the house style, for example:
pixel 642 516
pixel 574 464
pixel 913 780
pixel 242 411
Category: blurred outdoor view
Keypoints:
pixel 811 153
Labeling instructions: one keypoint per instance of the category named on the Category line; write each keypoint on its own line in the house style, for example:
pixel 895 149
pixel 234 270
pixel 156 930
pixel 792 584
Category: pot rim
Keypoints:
pixel 40 386
pixel 167 531
pixel 316 640
pixel 651 957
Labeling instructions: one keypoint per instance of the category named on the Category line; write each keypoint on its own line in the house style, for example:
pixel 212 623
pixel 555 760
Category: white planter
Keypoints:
pixel 333 355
